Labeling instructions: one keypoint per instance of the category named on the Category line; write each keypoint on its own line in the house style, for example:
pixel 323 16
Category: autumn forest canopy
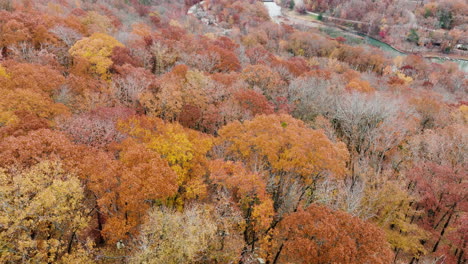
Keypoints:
pixel 134 132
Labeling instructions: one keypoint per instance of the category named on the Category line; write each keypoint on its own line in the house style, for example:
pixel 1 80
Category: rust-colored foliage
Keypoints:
pixel 13 32
pixel 36 146
pixel 226 43
pixel 264 78
pixel 121 56
pixel 249 191
pixel 119 186
pixel 184 149
pixel 190 116
pixel 228 60
pixel 227 79
pixel 320 235
pixel 253 102
pixel 144 179
pixel 443 195
pixel 28 87
pixel 117 132
pixel 282 144
pixel 296 66
pixel 26 122
pixel 20 27
pixel 32 77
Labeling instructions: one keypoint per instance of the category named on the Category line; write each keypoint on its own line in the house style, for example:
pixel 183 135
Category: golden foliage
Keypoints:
pixel 3 72
pixel 184 149
pixel 41 209
pixel 282 144
pixel 360 86
pixel 392 207
pixel 176 237
pixel 97 50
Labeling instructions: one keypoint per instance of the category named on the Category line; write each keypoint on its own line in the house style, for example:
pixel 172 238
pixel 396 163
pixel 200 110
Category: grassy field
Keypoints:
pixel 334 33
pixel 314 17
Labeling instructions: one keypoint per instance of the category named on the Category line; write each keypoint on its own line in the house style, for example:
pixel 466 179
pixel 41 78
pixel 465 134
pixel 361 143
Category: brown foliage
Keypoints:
pixel 264 78
pixel 320 235
pixel 33 77
pixel 253 102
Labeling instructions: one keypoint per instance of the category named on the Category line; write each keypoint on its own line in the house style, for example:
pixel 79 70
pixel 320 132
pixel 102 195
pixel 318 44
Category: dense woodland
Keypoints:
pixel 131 132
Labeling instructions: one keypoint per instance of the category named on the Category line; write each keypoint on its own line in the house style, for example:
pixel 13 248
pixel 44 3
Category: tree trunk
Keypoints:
pixel 442 233
pixel 275 260
pixel 461 259
pixel 397 252
pixel 70 242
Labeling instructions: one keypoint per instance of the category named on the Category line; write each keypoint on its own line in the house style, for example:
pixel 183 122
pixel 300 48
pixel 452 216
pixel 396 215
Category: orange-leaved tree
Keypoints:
pixel 287 150
pixel 321 235
pixel 266 79
pixel 248 190
pixel 184 149
pixel 28 87
pixel 144 179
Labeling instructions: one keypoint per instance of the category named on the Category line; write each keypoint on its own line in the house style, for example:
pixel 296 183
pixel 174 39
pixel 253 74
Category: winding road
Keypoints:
pixel 291 18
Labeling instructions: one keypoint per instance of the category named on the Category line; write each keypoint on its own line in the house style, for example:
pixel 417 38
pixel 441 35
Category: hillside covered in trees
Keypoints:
pixel 413 25
pixel 133 132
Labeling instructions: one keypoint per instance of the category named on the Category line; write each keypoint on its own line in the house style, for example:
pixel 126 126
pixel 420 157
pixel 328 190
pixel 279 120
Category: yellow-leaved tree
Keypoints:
pixel 96 50
pixel 174 237
pixel 184 149
pixel 3 72
pixel 41 212
pixel 393 212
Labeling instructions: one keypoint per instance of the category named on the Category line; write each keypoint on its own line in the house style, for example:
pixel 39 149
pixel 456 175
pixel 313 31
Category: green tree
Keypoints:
pixel 320 16
pixel 413 36
pixel 445 18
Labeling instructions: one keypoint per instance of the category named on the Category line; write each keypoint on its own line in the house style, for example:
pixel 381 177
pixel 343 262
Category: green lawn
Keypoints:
pixel 334 33
pixel 315 17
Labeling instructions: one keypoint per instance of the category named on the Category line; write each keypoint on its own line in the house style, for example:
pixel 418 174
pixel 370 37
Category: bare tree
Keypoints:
pixel 204 62
pixel 66 34
pixel 313 96
pixel 128 88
